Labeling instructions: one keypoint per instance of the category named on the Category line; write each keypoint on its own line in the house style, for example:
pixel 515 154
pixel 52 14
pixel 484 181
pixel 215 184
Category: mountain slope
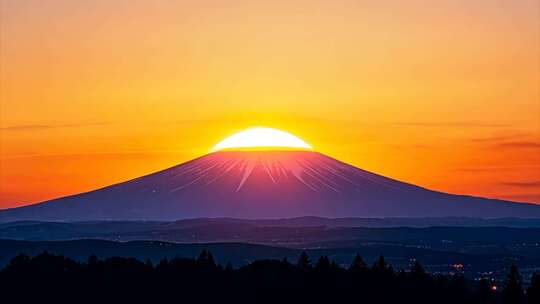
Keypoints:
pixel 264 184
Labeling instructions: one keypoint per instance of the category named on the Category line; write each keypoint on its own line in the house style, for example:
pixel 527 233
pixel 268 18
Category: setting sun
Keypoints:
pixel 261 138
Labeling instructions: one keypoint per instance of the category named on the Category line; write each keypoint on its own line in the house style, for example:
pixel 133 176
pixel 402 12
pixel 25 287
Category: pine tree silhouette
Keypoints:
pixel 303 262
pixel 533 292
pixel 484 294
pixel 513 291
pixel 358 264
pixel 381 267
pixel 202 280
pixel 203 256
pixel 229 267
pixel 210 259
pixel 417 271
pixel 149 263
pixel 92 260
pixel 323 264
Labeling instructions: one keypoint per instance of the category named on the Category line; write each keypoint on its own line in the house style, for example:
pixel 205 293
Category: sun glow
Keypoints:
pixel 259 138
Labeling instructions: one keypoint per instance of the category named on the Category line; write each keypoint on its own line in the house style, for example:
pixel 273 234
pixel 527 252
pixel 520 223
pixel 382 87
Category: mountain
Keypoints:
pixel 264 185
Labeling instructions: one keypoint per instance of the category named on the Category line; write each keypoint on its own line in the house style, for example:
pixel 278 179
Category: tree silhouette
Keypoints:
pixel 54 278
pixel 380 264
pixel 323 264
pixel 303 262
pixel 513 291
pixel 358 265
pixel 417 271
pixel 92 260
pixel 533 292
pixel 382 268
pixel 210 259
pixel 149 263
pixel 484 294
pixel 334 266
pixel 229 267
pixel 203 256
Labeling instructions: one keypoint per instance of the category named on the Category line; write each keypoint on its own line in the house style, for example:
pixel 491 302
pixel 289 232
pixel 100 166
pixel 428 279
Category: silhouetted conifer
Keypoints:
pixel 210 259
pixel 417 271
pixel 163 263
pixel 92 260
pixel 196 280
pixel 203 256
pixel 229 267
pixel 303 262
pixel 533 292
pixel 334 266
pixel 484 293
pixel 381 267
pixel 149 263
pixel 513 290
pixel 323 264
pixel 358 264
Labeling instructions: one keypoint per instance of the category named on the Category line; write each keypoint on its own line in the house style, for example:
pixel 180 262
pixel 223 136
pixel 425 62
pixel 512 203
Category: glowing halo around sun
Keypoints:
pixel 260 138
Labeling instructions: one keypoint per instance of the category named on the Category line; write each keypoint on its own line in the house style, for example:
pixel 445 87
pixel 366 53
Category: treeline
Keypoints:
pixel 53 278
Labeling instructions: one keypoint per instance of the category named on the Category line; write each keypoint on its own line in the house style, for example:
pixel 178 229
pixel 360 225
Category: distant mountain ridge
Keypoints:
pixel 291 232
pixel 264 185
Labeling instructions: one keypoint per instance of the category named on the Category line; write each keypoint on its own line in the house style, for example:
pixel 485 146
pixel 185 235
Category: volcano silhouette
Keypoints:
pixel 264 184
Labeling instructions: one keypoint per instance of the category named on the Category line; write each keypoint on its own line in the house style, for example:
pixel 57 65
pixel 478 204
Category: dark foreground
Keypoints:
pixel 51 278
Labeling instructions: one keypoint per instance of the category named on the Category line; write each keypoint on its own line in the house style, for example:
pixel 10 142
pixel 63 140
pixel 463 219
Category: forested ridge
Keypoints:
pixel 48 277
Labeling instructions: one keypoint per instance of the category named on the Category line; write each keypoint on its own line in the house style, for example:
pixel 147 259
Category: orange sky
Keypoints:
pixel 442 94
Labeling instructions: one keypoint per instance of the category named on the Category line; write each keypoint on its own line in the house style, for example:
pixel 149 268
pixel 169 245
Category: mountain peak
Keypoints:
pixel 264 184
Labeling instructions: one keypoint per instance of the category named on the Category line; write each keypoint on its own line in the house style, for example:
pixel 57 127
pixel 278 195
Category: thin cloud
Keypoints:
pixel 452 124
pixel 25 127
pixel 100 154
pixel 498 168
pixel 484 169
pixel 532 198
pixel 250 121
pixel 45 127
pixel 497 139
pixel 412 146
pixel 508 141
pixel 525 184
pixel 518 145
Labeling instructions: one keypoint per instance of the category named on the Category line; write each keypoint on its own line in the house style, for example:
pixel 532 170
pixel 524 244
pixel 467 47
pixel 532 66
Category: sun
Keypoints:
pixel 261 138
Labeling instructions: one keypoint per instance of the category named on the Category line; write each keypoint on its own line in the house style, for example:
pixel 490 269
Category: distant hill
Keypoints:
pixel 290 233
pixel 264 185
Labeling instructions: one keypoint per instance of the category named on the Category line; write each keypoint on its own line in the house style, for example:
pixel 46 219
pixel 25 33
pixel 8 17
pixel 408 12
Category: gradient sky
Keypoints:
pixel 443 94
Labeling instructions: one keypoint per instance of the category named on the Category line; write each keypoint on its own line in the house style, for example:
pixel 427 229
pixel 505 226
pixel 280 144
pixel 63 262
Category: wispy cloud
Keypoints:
pixel 253 121
pixel 508 141
pixel 518 144
pixel 498 139
pixel 524 184
pixel 498 168
pixel 451 124
pixel 45 127
pixel 532 197
pixel 25 127
pixel 411 146
pixel 484 169
pixel 102 154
